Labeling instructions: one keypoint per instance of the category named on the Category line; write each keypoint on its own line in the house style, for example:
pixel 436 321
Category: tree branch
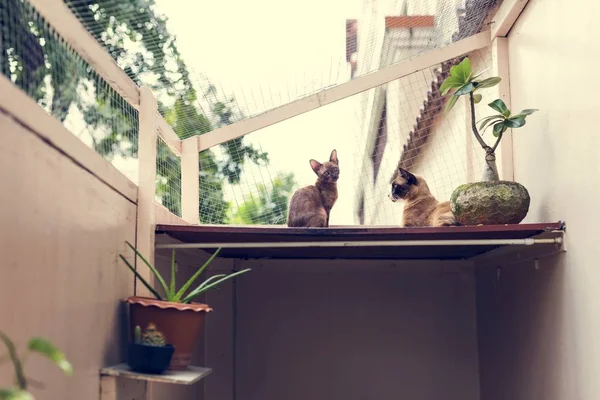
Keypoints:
pixel 487 148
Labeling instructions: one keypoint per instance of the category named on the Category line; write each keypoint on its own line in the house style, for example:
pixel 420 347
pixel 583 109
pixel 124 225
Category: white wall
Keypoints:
pixel 539 330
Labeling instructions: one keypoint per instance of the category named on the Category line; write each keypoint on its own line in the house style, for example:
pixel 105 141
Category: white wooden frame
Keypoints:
pixel 340 92
pixel 506 16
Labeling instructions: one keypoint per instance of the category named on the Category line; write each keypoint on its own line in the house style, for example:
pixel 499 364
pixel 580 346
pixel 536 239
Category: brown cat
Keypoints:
pixel 310 206
pixel 421 208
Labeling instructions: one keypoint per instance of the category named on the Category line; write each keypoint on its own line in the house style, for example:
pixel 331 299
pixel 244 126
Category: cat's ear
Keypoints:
pixel 410 178
pixel 333 157
pixel 315 165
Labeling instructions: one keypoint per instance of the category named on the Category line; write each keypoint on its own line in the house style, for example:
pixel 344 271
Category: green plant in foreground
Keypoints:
pixel 465 82
pixel 35 345
pixel 171 293
pixel 153 337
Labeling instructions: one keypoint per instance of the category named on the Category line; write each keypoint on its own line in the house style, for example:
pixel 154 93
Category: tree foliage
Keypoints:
pixel 137 38
pixel 270 206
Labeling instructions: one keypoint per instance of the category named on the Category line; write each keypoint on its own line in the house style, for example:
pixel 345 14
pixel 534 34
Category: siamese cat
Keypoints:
pixel 310 206
pixel 421 208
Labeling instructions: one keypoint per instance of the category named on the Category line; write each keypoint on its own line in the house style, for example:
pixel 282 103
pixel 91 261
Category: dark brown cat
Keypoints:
pixel 421 208
pixel 310 206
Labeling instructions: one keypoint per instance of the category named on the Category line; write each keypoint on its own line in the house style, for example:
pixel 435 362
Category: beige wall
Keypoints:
pixel 61 230
pixel 348 330
pixel 539 331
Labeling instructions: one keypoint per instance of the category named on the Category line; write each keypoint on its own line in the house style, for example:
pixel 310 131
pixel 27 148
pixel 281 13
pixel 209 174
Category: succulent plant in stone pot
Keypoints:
pixel 490 201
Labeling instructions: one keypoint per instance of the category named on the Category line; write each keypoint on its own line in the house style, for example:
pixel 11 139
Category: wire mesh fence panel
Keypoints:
pixel 168 177
pixel 402 123
pixel 39 62
pixel 259 57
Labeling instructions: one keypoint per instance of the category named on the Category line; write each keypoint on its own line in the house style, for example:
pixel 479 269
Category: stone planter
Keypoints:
pixel 490 203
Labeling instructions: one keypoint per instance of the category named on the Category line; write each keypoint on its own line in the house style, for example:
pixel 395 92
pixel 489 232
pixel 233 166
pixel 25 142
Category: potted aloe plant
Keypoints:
pixel 490 201
pixel 173 313
pixel 35 345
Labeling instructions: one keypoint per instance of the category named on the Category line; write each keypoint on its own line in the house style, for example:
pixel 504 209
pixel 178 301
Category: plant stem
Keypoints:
pixel 487 148
pixel 490 172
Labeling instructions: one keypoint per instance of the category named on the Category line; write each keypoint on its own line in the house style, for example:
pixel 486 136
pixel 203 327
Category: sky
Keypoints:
pixel 266 53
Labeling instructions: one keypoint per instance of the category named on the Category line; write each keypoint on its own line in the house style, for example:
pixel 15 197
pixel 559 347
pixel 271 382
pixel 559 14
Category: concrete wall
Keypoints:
pixel 61 230
pixel 346 330
pixel 539 329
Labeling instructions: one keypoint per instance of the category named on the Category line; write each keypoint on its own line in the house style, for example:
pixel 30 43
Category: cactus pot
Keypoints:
pixel 490 203
pixel 148 359
pixel 181 324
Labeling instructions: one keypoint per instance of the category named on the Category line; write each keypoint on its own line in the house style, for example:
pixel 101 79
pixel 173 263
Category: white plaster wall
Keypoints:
pixel 539 330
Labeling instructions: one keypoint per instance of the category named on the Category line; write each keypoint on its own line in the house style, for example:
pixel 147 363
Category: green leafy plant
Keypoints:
pixel 35 345
pixel 463 81
pixel 153 337
pixel 184 294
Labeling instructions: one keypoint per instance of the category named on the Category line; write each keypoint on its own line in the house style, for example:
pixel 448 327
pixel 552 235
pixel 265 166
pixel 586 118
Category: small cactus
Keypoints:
pixel 153 337
pixel 138 334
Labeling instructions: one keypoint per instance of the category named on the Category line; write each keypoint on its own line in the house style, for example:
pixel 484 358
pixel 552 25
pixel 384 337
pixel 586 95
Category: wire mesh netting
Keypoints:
pixel 231 58
pixel 38 61
pixel 250 179
pixel 168 177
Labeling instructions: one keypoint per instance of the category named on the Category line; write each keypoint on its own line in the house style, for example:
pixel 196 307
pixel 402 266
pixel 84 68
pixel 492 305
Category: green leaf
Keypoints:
pixel 202 285
pixel 514 122
pixel 154 270
pixel 47 349
pixel 498 105
pixel 489 82
pixel 451 102
pixel 172 287
pixel 525 113
pixel 203 289
pixel 187 285
pixel 477 98
pixel 467 88
pixel 499 129
pixel 141 278
pixel 449 83
pixel 15 394
pixel 462 70
pixel 485 122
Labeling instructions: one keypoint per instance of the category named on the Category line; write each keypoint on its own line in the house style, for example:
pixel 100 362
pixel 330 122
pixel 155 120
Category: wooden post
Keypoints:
pixel 501 69
pixel 190 187
pixel 146 215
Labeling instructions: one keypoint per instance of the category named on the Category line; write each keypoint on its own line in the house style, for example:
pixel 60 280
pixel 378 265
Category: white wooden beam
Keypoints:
pixel 169 135
pixel 59 16
pixel 146 215
pixel 190 186
pixel 340 92
pixel 501 69
pixel 506 16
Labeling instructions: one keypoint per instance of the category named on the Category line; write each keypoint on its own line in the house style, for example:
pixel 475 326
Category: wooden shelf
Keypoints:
pixel 187 377
pixel 361 242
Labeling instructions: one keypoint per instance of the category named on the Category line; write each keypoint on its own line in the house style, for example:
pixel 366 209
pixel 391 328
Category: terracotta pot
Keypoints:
pixel 181 324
